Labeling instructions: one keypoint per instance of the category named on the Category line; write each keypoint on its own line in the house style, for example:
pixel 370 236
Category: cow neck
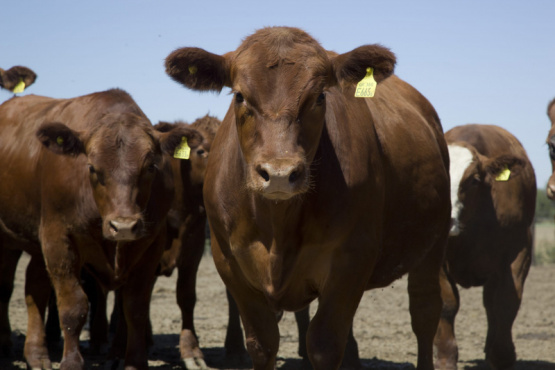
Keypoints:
pixel 280 232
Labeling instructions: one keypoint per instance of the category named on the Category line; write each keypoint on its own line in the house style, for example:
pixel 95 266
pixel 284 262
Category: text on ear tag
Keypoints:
pixel 183 150
pixel 366 88
pixel 19 87
pixel 504 175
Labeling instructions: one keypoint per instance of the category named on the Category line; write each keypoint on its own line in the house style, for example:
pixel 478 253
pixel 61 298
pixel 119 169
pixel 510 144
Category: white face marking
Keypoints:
pixel 460 158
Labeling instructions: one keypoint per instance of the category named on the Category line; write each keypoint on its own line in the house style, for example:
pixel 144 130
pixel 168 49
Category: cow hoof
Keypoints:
pixel 45 365
pixel 195 363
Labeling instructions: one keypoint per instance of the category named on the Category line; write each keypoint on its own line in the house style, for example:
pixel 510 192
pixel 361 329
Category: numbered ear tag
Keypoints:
pixel 183 151
pixel 504 175
pixel 366 88
pixel 19 87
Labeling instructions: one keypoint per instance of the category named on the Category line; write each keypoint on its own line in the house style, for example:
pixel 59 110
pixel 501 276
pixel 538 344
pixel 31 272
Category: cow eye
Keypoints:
pixel 200 152
pixel 151 168
pixel 321 98
pixel 92 170
pixel 551 151
pixel 239 97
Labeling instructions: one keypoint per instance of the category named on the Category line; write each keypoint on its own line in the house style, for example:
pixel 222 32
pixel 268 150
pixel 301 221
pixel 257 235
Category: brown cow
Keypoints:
pixel 186 231
pixel 493 193
pixel 92 192
pixel 313 193
pixel 14 76
pixel 551 144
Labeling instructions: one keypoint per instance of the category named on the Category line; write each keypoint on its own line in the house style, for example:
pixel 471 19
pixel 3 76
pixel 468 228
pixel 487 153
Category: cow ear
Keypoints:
pixel 504 167
pixel 351 67
pixel 60 139
pixel 171 139
pixel 198 69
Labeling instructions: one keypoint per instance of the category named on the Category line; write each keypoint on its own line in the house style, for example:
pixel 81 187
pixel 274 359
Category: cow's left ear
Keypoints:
pixel 172 139
pixel 504 167
pixel 60 139
pixel 351 67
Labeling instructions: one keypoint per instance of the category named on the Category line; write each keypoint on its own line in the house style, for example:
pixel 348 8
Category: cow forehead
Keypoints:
pixel 120 141
pixel 281 49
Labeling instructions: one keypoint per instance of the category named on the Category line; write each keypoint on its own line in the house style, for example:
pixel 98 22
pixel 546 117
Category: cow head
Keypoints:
pixel 279 78
pixel 124 155
pixel 551 144
pixel 473 180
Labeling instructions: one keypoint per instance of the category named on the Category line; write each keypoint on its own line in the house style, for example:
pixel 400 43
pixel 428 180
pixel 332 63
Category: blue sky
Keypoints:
pixel 476 61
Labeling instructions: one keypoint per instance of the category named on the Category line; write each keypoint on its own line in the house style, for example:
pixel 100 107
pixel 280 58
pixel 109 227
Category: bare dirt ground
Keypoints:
pixel 382 326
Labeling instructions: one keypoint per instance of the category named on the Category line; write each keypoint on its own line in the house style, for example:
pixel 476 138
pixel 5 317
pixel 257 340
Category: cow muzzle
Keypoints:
pixel 280 179
pixel 124 229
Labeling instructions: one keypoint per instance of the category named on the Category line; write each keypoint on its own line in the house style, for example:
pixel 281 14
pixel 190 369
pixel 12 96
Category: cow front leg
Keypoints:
pixel 8 265
pixel 37 293
pixel 445 341
pixel 425 306
pixel 502 296
pixel 187 267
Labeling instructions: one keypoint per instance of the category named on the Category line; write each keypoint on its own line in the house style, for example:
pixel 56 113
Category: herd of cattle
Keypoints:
pixel 310 193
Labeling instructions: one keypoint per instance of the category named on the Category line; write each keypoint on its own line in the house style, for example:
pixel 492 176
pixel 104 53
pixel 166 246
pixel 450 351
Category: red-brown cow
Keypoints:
pixel 17 77
pixel 493 194
pixel 93 191
pixel 186 231
pixel 551 144
pixel 313 193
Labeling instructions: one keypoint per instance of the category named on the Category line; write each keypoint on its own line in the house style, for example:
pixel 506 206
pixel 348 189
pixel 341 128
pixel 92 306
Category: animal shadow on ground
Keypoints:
pixel 520 365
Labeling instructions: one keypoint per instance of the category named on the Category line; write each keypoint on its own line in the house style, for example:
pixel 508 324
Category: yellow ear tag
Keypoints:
pixel 367 86
pixel 183 151
pixel 193 70
pixel 19 87
pixel 504 175
pixel 60 141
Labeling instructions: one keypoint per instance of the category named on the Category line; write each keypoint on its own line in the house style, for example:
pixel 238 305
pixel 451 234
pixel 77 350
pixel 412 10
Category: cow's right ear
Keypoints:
pixel 351 67
pixel 173 138
pixel 198 69
pixel 60 139
pixel 504 167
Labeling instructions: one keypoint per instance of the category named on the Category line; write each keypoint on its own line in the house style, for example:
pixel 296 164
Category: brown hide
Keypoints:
pixel 313 193
pixel 493 246
pixel 550 188
pixel 85 181
pixel 11 77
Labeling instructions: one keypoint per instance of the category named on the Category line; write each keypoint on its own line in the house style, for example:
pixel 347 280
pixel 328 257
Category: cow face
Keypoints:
pixel 124 155
pixel 474 179
pixel 551 145
pixel 280 78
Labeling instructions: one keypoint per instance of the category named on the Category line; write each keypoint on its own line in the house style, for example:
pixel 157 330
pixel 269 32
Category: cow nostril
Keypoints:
pixel 135 227
pixel 294 176
pixel 264 174
pixel 113 227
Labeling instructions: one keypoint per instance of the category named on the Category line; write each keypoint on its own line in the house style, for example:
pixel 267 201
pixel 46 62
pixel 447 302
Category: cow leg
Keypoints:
pixel 302 318
pixel 98 323
pixel 234 340
pixel 425 304
pixel 37 293
pixel 502 296
pixel 445 341
pixel 8 265
pixel 52 327
pixel 73 306
pixel 187 267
